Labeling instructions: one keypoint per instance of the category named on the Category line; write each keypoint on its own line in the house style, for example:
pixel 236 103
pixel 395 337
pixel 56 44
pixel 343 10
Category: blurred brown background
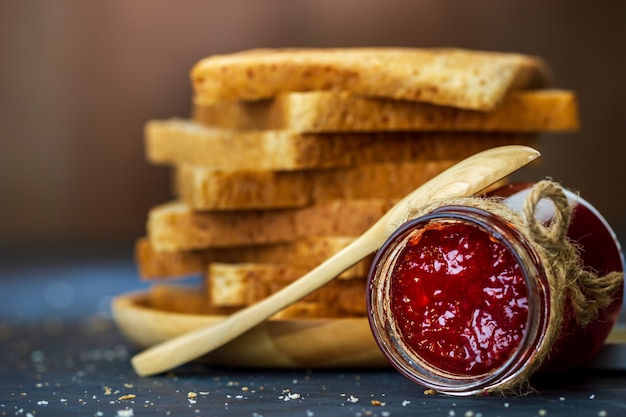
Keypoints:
pixel 78 79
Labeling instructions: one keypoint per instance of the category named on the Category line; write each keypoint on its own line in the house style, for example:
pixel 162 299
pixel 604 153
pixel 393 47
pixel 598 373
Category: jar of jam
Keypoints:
pixel 465 299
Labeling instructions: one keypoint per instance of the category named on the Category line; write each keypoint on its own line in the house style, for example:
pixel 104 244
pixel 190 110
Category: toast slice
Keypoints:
pixel 193 299
pixel 180 298
pixel 203 188
pixel 206 188
pixel 460 78
pixel 240 285
pixel 177 141
pixel 328 111
pixel 305 253
pixel 174 226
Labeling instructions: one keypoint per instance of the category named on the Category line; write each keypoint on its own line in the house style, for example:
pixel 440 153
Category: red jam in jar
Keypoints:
pixel 468 323
pixel 459 301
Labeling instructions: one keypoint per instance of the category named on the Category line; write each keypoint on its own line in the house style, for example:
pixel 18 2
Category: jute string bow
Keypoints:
pixel 570 285
pixel 587 292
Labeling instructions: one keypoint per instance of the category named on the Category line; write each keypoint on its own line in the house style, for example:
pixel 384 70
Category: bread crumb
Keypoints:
pixel 192 394
pixel 290 396
pixel 378 403
pixel 430 392
pixel 127 397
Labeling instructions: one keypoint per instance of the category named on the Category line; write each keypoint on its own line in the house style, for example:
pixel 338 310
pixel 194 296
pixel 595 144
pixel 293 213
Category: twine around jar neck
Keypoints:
pixel 587 292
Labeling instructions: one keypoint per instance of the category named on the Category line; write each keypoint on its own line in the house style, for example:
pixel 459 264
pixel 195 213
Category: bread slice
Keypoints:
pixel 328 111
pixel 152 264
pixel 203 188
pixel 460 78
pixel 305 253
pixel 240 285
pixel 193 299
pixel 155 264
pixel 179 298
pixel 177 141
pixel 174 226
pixel 206 188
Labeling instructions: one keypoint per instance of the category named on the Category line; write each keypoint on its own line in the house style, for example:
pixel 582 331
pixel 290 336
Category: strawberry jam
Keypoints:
pixel 459 299
pixel 461 296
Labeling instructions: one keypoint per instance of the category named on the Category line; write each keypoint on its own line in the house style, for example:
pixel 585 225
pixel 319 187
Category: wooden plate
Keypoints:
pixel 287 343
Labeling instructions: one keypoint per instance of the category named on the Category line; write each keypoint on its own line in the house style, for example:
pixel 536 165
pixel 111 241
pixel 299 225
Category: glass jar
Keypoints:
pixel 459 299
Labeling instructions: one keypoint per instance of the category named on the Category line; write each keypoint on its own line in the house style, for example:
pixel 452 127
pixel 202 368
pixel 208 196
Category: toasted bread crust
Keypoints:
pixel 193 299
pixel 174 226
pixel 305 253
pixel 178 141
pixel 204 188
pixel 240 285
pixel 454 77
pixel 520 111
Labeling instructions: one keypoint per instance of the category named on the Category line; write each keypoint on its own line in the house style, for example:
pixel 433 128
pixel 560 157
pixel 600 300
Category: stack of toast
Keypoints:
pixel 290 154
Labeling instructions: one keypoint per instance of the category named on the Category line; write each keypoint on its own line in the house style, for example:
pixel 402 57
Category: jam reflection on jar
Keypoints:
pixel 459 301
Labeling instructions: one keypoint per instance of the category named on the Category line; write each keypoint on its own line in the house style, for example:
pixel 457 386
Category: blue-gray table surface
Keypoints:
pixel 61 355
